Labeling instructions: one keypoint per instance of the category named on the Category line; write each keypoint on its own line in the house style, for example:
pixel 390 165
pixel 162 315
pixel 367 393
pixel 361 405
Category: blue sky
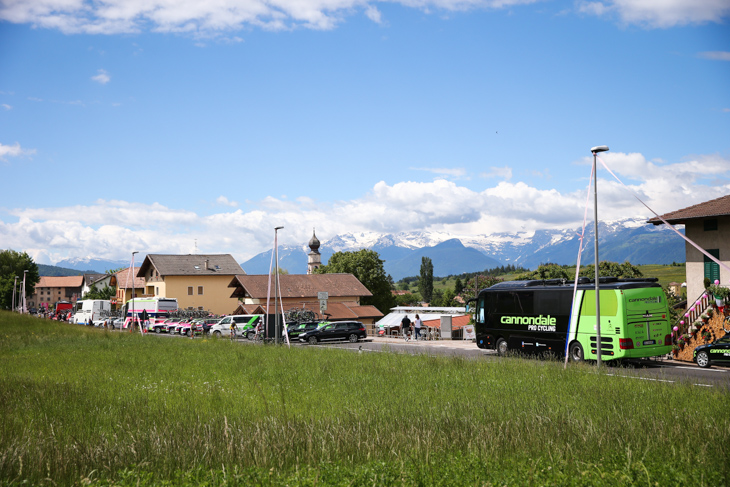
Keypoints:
pixel 153 125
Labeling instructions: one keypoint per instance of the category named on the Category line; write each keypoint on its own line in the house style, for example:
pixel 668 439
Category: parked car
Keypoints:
pixel 157 327
pixel 245 325
pixel 341 330
pixel 297 329
pixel 117 323
pixel 717 352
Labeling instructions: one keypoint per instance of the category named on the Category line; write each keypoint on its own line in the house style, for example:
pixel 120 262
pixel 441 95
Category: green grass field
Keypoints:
pixel 81 406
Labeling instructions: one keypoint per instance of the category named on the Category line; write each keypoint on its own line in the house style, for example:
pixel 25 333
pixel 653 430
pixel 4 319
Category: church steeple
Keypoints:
pixel 315 258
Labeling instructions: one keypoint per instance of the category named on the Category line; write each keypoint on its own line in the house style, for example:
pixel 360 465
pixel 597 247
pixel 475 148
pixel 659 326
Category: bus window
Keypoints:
pixel 480 311
pixel 554 303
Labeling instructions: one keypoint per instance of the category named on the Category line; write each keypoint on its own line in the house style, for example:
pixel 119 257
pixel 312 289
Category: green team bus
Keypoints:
pixel 540 316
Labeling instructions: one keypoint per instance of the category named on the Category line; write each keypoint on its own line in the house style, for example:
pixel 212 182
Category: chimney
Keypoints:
pixel 206 264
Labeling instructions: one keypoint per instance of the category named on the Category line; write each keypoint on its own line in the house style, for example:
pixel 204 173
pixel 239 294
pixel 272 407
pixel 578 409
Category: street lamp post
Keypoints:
pixel 131 330
pixel 15 286
pixel 277 332
pixel 595 151
pixel 25 302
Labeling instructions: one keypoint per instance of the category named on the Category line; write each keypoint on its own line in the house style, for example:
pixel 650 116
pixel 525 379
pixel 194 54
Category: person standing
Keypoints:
pixel 417 325
pixel 405 325
pixel 233 330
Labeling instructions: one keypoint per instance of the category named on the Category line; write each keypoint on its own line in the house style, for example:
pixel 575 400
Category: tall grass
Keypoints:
pixel 81 405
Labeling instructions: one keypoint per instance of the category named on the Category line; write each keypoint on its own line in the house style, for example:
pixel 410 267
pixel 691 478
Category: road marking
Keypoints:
pixel 655 380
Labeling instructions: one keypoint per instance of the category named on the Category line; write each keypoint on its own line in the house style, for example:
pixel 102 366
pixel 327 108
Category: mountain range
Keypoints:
pixel 619 241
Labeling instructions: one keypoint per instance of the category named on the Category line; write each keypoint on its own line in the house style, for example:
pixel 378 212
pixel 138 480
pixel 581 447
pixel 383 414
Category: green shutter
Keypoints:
pixel 712 269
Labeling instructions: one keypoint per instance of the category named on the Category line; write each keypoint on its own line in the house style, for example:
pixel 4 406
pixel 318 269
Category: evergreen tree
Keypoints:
pixel 425 281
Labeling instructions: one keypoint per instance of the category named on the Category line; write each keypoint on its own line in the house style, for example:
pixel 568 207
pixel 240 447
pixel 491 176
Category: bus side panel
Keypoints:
pixel 612 312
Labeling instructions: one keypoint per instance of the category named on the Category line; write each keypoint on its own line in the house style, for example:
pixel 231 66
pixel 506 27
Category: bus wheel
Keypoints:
pixel 576 352
pixel 502 346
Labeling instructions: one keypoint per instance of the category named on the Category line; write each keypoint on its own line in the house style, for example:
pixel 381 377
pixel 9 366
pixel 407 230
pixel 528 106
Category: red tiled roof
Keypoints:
pixel 60 281
pixel 343 311
pixel 717 207
pixel 299 286
pixel 125 280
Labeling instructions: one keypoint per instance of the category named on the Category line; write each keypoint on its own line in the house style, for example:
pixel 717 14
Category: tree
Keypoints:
pixel 13 264
pixel 477 283
pixel 425 280
pixel 106 293
pixel 458 286
pixel 546 271
pixel 367 266
pixel 611 269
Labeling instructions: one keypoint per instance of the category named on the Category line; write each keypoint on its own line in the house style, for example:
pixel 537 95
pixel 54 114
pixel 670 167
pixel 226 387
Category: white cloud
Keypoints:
pixel 715 55
pixel 207 19
pixel 451 172
pixel 109 229
pixel 498 172
pixel 373 14
pixel 14 151
pixel 102 77
pixel 660 13
pixel 6 106
pixel 222 200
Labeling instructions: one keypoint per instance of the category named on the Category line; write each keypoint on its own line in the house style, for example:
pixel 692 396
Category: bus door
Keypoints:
pixel 611 323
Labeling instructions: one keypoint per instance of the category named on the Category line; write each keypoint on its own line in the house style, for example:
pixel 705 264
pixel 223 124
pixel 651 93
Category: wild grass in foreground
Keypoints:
pixel 85 406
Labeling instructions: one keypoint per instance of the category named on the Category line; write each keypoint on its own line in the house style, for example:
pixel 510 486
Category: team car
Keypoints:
pixel 715 353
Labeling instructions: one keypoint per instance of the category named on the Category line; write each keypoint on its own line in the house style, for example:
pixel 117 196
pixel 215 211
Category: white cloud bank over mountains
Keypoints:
pixel 112 229
pixel 215 18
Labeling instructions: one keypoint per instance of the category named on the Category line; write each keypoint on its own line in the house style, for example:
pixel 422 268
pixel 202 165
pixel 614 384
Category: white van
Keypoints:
pixel 91 309
pixel 245 325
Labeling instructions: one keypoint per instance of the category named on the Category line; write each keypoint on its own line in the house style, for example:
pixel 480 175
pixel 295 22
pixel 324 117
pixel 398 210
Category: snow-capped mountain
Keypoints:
pixel 632 240
pixel 96 265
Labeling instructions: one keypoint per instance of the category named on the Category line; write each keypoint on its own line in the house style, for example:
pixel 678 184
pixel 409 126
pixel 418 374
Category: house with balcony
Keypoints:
pixel 197 281
pixel 708 225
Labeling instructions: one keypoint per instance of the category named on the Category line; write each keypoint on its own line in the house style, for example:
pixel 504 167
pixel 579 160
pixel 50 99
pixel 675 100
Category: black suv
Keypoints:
pixel 297 329
pixel 341 330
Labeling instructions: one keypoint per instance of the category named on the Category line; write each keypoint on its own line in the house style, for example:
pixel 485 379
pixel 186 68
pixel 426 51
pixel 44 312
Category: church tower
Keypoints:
pixel 315 258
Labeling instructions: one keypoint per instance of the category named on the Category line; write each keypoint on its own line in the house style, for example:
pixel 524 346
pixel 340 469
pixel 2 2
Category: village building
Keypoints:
pixel 198 281
pixel 97 281
pixel 708 225
pixel 128 285
pixel 344 292
pixel 52 289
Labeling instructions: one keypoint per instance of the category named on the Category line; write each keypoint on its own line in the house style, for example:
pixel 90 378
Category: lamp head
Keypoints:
pixel 278 228
pixel 599 148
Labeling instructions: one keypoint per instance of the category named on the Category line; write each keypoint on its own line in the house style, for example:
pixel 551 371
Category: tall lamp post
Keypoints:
pixel 133 276
pixel 15 286
pixel 277 332
pixel 25 302
pixel 595 151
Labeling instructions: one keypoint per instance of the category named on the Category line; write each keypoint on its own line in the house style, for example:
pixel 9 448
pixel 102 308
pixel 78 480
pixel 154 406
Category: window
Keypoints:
pixel 190 290
pixel 712 270
pixel 200 289
pixel 710 224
